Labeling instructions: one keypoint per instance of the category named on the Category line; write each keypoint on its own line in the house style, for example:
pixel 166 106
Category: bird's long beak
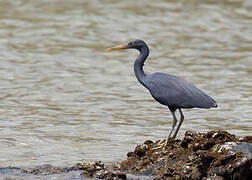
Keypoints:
pixel 117 48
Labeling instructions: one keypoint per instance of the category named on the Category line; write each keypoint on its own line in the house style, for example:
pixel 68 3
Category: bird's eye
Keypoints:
pixel 132 44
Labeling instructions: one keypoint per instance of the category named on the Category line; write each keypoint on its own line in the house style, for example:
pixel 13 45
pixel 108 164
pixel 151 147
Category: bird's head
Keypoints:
pixel 136 44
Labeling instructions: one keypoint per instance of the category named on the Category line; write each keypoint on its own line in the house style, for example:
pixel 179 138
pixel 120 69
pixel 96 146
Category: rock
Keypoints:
pixel 214 155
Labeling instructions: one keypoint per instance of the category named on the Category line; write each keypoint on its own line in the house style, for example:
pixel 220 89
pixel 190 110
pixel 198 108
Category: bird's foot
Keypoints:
pixel 163 143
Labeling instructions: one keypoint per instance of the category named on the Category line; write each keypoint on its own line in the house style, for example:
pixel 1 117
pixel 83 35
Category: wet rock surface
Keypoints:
pixel 48 169
pixel 213 155
pixel 97 170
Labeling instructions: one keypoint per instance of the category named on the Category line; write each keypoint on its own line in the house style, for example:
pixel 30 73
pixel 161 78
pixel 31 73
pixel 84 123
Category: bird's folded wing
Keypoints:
pixel 175 92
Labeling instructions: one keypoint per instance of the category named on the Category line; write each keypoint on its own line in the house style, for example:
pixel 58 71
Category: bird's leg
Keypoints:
pixel 162 144
pixel 180 123
pixel 174 123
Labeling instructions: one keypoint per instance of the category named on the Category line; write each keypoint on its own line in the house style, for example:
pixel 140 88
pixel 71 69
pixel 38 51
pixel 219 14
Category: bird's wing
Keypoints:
pixel 178 93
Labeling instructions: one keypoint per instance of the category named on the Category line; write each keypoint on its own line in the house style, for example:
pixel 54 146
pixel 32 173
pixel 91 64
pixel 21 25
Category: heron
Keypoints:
pixel 167 89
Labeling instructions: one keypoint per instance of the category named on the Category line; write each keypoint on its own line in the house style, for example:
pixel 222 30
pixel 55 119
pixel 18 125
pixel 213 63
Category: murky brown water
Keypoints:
pixel 63 99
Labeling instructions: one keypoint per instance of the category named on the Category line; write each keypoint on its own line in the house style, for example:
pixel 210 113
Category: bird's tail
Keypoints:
pixel 214 104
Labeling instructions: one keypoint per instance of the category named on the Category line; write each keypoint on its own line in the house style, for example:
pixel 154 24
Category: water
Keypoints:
pixel 64 99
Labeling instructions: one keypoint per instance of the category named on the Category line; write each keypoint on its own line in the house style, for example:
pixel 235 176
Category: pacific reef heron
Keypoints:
pixel 169 90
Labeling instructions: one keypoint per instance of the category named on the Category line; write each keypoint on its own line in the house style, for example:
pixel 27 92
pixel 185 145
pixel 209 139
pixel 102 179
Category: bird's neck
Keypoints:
pixel 139 63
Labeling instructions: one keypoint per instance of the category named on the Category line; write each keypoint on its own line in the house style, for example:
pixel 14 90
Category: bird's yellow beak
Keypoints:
pixel 117 48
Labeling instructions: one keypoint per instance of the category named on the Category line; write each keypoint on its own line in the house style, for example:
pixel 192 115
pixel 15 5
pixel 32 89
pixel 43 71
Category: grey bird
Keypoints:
pixel 169 90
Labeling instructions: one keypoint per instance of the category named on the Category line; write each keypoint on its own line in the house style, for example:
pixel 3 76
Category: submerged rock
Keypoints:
pixel 48 169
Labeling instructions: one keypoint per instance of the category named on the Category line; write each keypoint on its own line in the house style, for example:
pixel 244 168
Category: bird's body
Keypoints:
pixel 189 95
pixel 169 90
